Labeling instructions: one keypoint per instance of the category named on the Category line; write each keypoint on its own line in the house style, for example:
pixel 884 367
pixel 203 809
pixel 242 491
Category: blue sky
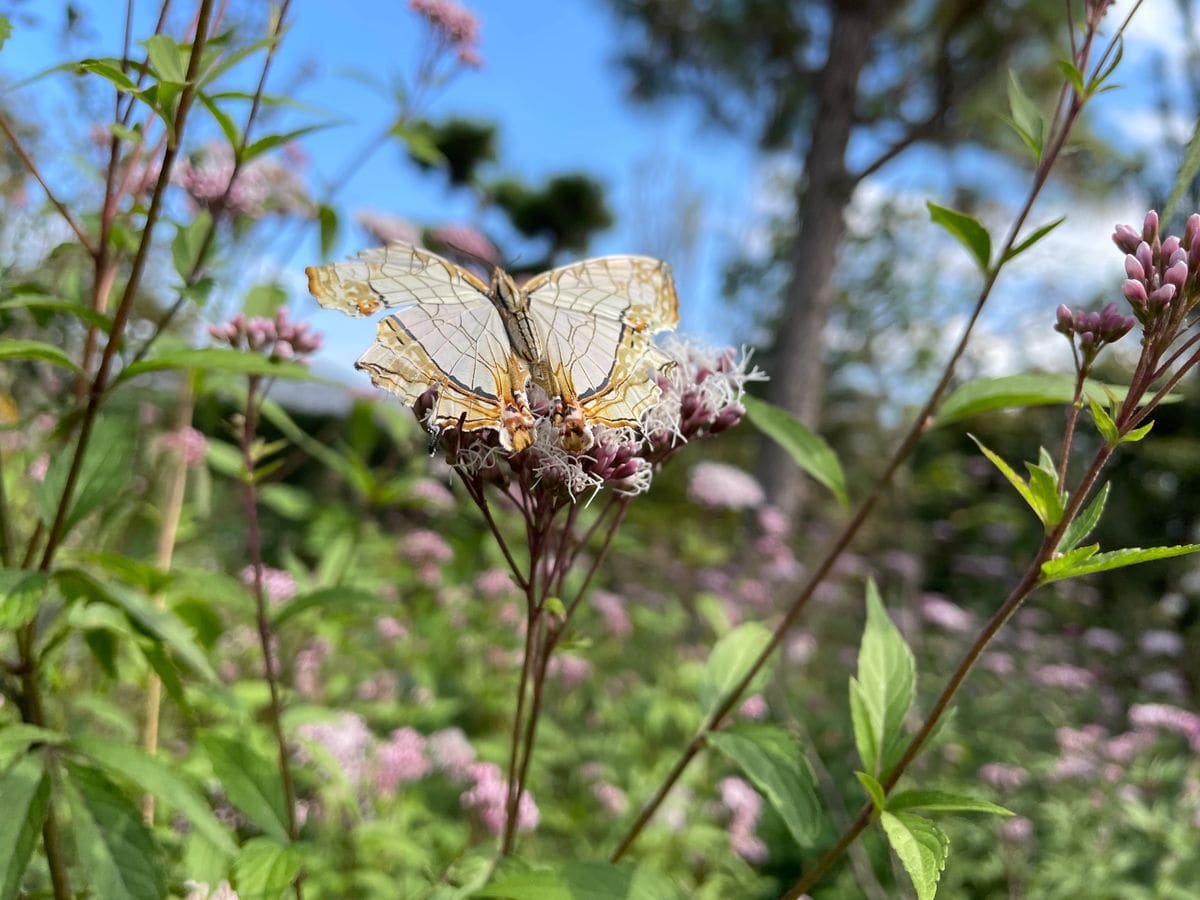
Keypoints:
pixel 551 83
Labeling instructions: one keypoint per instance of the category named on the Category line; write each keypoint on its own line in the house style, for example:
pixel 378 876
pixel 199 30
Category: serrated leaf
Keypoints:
pixel 25 799
pixel 941 801
pixel 1113 559
pixel 1017 391
pixel 1013 478
pixel 188 244
pixel 887 674
pixel 807 449
pixel 119 853
pixel 1084 523
pixel 1043 485
pixel 327 220
pixel 874 790
pixel 21 595
pixel 1026 116
pixel 265 868
pixel 151 774
pixel 922 848
pixel 866 741
pixel 251 782
pixel 218 359
pixel 730 660
pixel 1033 238
pixel 11 348
pixel 770 759
pixel 969 232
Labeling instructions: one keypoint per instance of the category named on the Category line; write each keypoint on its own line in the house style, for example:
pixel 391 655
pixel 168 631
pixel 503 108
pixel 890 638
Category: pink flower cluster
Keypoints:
pixel 1162 272
pixel 262 186
pixel 454 25
pixel 720 486
pixel 745 807
pixel 278 338
pixel 428 552
pixel 465 241
pixel 399 760
pixel 1165 717
pixel 487 798
pixel 278 586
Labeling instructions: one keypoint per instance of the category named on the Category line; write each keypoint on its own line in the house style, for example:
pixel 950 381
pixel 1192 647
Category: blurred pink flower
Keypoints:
pixel 612 609
pixel 423 546
pixel 772 522
pixel 1104 639
pixel 745 807
pixel 385 229
pixel 39 467
pixel 263 186
pixel 450 752
pixel 939 610
pixel 570 668
pixel 467 242
pixel 1064 676
pixel 487 797
pixel 1160 643
pixel 380 686
pixel 800 647
pixel 347 739
pixel 433 493
pixel 753 707
pixel 998 663
pixel 306 673
pixel 189 443
pixel 278 586
pixel 719 486
pixel 1073 767
pixel 454 26
pixel 1125 747
pixel 493 584
pixel 612 799
pixel 199 890
pixel 1165 717
pixel 400 759
pixel 1017 830
pixel 1003 777
pixel 390 628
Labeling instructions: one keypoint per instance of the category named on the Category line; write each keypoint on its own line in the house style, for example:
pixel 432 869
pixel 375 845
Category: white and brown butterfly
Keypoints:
pixel 581 332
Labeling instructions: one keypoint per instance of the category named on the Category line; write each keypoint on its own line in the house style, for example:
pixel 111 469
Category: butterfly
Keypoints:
pixel 581 332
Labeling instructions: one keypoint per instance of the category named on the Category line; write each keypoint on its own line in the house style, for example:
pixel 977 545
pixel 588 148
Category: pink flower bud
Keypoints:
pixel 1169 246
pixel 1191 230
pixel 1065 322
pixel 1145 256
pixel 1150 227
pixel 1176 275
pixel 1126 238
pixel 1135 292
pixel 1133 268
pixel 1161 297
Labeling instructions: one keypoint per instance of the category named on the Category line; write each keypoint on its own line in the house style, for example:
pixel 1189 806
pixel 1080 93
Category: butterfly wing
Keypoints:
pixel 596 318
pixel 448 336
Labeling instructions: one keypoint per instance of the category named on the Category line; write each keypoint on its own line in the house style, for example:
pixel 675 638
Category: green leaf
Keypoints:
pixel 327 218
pixel 85 314
pixel 103 474
pixel 251 783
pixel 20 597
pixel 188 243
pixel 730 660
pixel 969 232
pixel 1043 485
pixel 263 144
pixel 419 140
pixel 1056 570
pixel 940 801
pixel 1132 437
pixel 159 623
pixel 117 850
pixel 109 69
pixel 887 675
pixel 1185 176
pixel 1032 239
pixel 1072 74
pixel 264 869
pixel 874 790
pixel 1013 478
pixel 218 359
pixel 168 59
pixel 807 449
pixel 134 572
pixel 25 799
pixel 555 607
pixel 1012 391
pixel 16 738
pixel 224 120
pixel 583 881
pixel 151 774
pixel 1084 523
pixel 23 349
pixel 769 757
pixel 5 34
pixel 264 300
pixel 922 848
pixel 1104 423
pixel 1026 117
pixel 336 597
pixel 866 739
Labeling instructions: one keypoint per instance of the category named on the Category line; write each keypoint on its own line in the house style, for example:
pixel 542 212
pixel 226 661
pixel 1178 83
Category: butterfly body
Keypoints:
pixel 581 333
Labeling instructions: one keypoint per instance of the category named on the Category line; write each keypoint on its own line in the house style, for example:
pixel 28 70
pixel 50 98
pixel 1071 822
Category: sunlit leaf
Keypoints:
pixel 251 783
pixel 808 450
pixel 13 348
pixel 922 848
pixel 168 59
pixel 189 243
pixel 1013 478
pixel 20 596
pixel 969 232
pixel 1084 523
pixel 103 474
pixel 874 790
pixel 887 677
pixel 1033 238
pixel 85 314
pixel 941 801
pixel 1026 116
pixel 730 660
pixel 25 799
pixel 218 359
pixel 264 868
pixel 1013 391
pixel 1057 569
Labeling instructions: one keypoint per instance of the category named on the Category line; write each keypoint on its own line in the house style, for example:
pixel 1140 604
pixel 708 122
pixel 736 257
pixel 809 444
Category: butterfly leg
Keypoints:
pixel 516 418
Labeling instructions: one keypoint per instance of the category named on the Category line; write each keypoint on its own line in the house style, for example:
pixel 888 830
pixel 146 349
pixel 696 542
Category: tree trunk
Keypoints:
pixel 798 374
